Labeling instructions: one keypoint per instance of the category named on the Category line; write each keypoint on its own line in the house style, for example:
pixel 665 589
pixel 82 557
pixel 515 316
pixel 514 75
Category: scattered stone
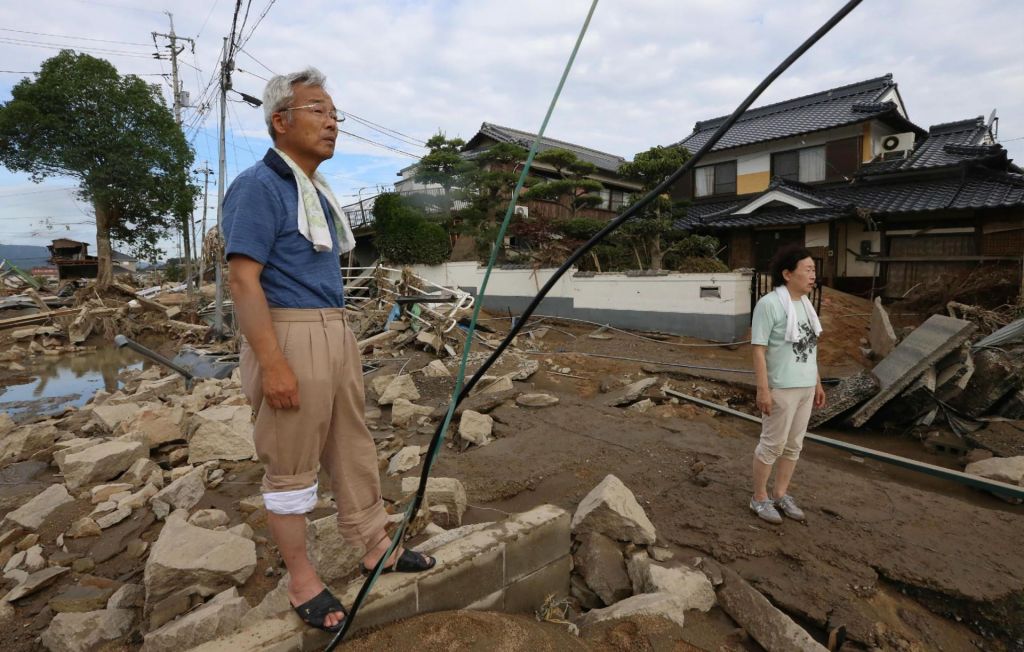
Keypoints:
pixel 113 518
pixel 449 492
pixel 430 341
pixel 83 565
pixel 665 605
pixel 400 387
pixel 139 471
pixel 242 530
pixel 34 582
pixel 380 382
pixel 79 598
pixel 611 509
pixel 218 617
pixel 27 542
pixel 136 548
pixel 139 498
pixel 1004 469
pixel 84 527
pixel 101 462
pixel 17 444
pixel 578 589
pixel 527 367
pixel 436 369
pixel 476 428
pixel 659 553
pixel 772 629
pixel 156 425
pixel 599 561
pixel 34 559
pixel 652 577
pixel 84 632
pixel 109 415
pixel 32 514
pixel 403 412
pixel 128 596
pixel 502 384
pixel 628 394
pixel 180 472
pixel 221 432
pixel 332 556
pixel 537 400
pixel 641 406
pixel 103 492
pixel 184 493
pixel 209 518
pixel 404 460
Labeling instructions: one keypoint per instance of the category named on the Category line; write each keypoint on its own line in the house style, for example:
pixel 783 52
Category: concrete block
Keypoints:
pixel 996 374
pixel 849 393
pixel 528 593
pixel 921 349
pixel 772 629
pixel 536 538
pixel 464 582
pixel 881 335
pixel 492 602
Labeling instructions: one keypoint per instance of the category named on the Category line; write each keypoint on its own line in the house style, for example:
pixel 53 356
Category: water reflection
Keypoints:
pixel 68 379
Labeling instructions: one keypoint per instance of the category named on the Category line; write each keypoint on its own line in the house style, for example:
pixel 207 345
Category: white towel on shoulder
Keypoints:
pixel 312 221
pixel 792 331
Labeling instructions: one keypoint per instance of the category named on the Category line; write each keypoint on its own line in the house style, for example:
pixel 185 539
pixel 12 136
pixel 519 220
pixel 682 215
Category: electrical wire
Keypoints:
pixel 207 19
pixel 373 142
pixel 259 20
pixel 393 133
pixel 75 38
pixel 257 61
pixel 58 46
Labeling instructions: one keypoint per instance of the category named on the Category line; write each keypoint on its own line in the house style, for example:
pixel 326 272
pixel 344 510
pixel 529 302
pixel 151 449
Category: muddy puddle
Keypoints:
pixel 66 381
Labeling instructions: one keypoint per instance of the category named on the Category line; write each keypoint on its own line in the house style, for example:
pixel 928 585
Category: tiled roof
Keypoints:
pixel 824 110
pixel 945 145
pixel 603 160
pixel 780 216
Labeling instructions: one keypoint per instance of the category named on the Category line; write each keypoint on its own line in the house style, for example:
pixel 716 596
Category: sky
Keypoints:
pixel 646 72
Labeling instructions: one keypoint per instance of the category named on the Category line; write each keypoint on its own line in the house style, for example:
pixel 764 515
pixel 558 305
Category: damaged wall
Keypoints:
pixel 709 306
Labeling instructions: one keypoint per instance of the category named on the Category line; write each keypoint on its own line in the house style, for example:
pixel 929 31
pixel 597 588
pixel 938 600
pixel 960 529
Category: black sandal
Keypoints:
pixel 409 561
pixel 314 612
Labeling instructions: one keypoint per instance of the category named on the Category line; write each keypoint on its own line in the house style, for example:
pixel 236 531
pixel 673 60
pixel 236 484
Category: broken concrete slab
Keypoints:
pixel 449 492
pixel 629 393
pixel 772 629
pixel 881 336
pixel 102 462
pixel 436 369
pixel 399 387
pixel 183 493
pixel 937 337
pixel 32 514
pixel 996 374
pixel 1003 438
pixel 599 562
pixel 650 576
pixel 332 556
pixel 404 412
pixel 915 401
pixel 85 632
pixel 218 617
pixel 155 425
pixel 109 415
pixel 221 432
pixel 611 509
pixel 476 428
pixel 405 459
pixel 17 444
pixel 1003 469
pixel 953 374
pixel 665 605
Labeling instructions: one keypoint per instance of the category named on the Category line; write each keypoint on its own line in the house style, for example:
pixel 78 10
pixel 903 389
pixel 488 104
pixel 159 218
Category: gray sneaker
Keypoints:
pixel 789 508
pixel 765 510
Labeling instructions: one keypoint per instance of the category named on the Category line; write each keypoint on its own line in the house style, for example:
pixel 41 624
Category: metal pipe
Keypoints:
pixel 121 341
pixel 975 481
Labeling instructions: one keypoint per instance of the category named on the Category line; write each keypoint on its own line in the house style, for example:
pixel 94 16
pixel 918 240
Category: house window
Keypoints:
pixel 619 200
pixel 805 165
pixel 843 158
pixel 717 179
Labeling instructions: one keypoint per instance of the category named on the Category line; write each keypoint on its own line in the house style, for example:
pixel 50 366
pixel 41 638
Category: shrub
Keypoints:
pixel 405 236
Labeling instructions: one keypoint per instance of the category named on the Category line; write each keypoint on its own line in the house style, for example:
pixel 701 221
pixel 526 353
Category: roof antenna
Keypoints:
pixel 992 127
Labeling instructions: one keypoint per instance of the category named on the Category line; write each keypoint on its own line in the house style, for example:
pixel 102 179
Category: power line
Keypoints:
pixel 373 142
pixel 210 13
pixel 259 20
pixel 265 67
pixel 391 133
pixel 54 46
pixel 246 72
pixel 74 38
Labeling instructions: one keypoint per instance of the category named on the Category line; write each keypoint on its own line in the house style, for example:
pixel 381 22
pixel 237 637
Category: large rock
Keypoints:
pixel 17 444
pixel 81 598
pixel 772 629
pixel 101 462
pixel 218 617
pixel 32 514
pixel 436 369
pixel 476 428
pixel 403 460
pixel 665 605
pixel 110 416
pixel 155 425
pixel 34 582
pixel 221 432
pixel 449 492
pixel 537 400
pixel 881 335
pixel 185 557
pixel 629 393
pixel 139 472
pixel 183 493
pixel 653 577
pixel 1003 469
pixel 599 561
pixel 85 632
pixel 209 518
pixel 332 556
pixel 400 387
pixel 611 509
pixel 403 412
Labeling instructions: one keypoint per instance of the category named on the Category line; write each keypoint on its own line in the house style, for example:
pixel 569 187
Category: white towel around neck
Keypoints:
pixel 312 222
pixel 792 331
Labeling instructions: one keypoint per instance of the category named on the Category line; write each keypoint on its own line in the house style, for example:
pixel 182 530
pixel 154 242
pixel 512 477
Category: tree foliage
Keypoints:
pixel 443 165
pixel 653 225
pixel 405 236
pixel 571 188
pixel 115 136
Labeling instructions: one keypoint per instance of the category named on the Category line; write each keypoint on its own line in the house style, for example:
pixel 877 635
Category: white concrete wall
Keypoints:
pixel 671 302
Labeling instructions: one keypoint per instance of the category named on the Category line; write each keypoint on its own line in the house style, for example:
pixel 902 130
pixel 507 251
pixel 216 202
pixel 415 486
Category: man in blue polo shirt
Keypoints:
pixel 300 365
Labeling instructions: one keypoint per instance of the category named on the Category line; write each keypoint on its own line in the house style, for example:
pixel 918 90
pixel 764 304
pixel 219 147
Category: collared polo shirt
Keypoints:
pixel 261 222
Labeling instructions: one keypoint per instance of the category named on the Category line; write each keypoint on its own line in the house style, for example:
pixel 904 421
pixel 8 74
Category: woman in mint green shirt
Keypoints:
pixel 784 334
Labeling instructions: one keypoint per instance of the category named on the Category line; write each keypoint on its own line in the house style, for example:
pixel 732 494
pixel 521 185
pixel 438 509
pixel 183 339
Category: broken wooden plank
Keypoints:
pixel 379 338
pixel 39 318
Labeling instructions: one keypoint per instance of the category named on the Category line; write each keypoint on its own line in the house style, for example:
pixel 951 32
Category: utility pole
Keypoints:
pixel 225 83
pixel 177 95
pixel 206 172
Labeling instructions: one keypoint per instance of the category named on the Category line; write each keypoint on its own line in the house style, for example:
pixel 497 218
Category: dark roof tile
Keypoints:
pixel 603 160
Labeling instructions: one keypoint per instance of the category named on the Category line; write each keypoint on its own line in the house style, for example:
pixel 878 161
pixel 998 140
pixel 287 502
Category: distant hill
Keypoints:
pixel 25 256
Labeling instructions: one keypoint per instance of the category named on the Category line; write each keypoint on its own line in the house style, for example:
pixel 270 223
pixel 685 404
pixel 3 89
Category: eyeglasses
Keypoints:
pixel 320 111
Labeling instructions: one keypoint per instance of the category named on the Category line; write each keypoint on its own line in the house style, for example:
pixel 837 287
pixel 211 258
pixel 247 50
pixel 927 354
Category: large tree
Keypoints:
pixel 571 188
pixel 654 223
pixel 112 133
pixel 444 165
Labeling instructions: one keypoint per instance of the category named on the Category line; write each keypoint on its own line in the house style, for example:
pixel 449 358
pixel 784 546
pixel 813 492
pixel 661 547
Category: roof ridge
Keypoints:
pixel 792 102
pixel 553 140
pixel 978 121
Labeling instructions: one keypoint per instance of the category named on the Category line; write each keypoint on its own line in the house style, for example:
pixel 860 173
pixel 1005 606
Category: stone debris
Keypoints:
pixel 641 407
pixel 598 560
pixel 110 415
pixel 399 387
pixel 82 597
pixel 404 413
pixel 1004 469
pixel 209 518
pixel 405 459
pixel 649 576
pixel 101 462
pixel 666 605
pixel 221 432
pixel 476 428
pixel 628 394
pixel 436 369
pixel 129 596
pixel 103 492
pixel 85 632
pixel 113 518
pixel 446 492
pixel 332 556
pixel 220 616
pixel 881 335
pixel 34 582
pixel 140 471
pixel 611 509
pixel 183 493
pixel 20 443
pixel 537 400
pixel 155 425
pixel 84 527
pixel 32 514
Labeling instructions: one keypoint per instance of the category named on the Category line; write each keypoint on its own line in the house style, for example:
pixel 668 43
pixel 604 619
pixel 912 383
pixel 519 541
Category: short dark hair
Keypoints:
pixel 786 259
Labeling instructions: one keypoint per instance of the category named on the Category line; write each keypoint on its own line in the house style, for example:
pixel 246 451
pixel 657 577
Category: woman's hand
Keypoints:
pixel 764 401
pixel 819 396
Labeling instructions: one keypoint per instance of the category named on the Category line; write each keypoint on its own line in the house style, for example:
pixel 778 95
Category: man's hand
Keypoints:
pixel 280 386
pixel 764 401
pixel 819 396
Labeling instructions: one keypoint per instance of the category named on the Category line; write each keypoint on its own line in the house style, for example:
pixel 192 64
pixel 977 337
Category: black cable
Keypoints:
pixel 579 253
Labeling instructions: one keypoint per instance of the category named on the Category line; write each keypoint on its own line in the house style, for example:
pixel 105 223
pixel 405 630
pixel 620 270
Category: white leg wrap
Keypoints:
pixel 300 501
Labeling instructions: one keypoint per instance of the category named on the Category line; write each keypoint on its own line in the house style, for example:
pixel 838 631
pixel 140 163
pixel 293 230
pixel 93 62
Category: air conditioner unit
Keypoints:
pixel 521 211
pixel 898 142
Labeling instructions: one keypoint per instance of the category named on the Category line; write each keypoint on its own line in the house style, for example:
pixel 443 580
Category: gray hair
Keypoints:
pixel 279 92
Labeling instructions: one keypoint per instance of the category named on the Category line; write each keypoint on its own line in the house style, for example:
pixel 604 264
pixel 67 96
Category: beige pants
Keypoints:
pixel 782 433
pixel 326 430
